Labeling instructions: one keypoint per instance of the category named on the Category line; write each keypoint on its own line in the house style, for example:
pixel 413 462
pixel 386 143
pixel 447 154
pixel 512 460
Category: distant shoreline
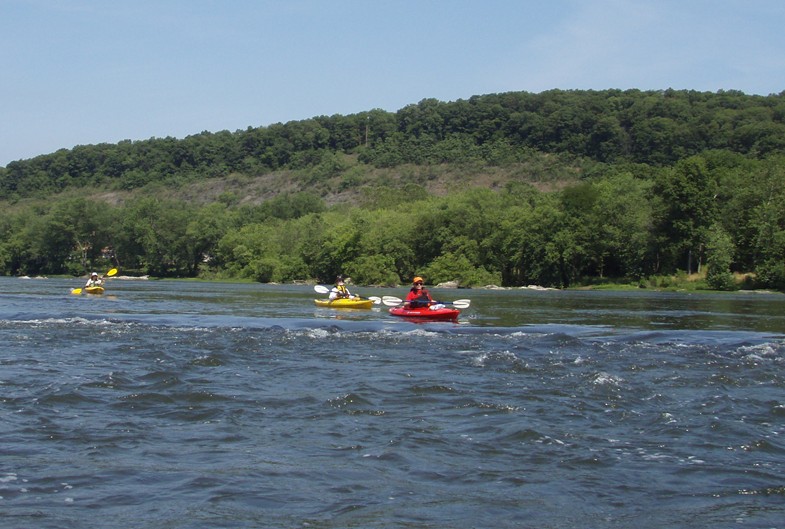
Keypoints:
pixel 611 287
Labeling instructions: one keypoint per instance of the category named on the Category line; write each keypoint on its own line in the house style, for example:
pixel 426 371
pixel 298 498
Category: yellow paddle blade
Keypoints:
pixel 111 272
pixel 76 291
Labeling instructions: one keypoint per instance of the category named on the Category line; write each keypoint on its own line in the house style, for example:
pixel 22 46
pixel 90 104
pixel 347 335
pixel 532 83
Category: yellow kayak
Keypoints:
pixel 94 290
pixel 344 303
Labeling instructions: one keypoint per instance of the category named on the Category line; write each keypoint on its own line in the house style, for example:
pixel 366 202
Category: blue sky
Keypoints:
pixel 77 72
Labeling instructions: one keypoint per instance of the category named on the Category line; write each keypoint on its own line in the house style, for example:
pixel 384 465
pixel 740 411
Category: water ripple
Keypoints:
pixel 177 406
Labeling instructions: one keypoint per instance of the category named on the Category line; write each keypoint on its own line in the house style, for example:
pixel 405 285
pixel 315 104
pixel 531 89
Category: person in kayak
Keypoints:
pixel 418 296
pixel 340 290
pixel 94 281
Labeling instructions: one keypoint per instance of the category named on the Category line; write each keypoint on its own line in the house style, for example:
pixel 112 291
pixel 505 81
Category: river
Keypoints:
pixel 167 404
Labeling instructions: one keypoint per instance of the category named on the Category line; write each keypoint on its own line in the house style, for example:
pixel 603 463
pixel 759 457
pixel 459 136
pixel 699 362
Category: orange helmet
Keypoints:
pixel 417 279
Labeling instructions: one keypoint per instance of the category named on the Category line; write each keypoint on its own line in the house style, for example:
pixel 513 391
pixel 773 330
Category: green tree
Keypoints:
pixel 719 255
pixel 154 239
pixel 206 228
pixel 687 193
pixel 621 223
pixel 375 269
pixel 457 267
pixel 770 243
pixel 392 234
pixel 526 238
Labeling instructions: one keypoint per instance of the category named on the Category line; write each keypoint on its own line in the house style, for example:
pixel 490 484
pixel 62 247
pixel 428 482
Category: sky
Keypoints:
pixel 78 72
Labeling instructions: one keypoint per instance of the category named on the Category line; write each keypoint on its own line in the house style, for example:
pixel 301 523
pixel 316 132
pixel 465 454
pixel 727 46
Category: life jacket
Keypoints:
pixel 418 298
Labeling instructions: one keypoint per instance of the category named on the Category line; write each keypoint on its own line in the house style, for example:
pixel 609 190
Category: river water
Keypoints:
pixel 208 405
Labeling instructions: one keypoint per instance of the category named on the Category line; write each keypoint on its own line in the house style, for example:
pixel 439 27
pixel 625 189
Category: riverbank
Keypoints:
pixel 674 283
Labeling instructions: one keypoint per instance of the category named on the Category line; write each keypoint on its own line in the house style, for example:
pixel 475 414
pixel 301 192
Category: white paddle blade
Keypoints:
pixel 376 300
pixel 321 289
pixel 462 303
pixel 391 301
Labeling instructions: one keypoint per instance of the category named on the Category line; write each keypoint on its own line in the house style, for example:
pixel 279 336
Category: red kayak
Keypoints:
pixel 426 313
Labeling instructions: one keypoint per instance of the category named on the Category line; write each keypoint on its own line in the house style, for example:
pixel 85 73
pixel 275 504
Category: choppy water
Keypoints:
pixel 191 405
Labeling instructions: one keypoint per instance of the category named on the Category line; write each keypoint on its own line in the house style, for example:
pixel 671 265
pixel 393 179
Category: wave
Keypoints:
pixel 751 345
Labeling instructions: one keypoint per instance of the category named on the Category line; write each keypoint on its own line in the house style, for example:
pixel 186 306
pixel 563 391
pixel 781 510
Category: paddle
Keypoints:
pixel 324 290
pixel 110 273
pixel 392 301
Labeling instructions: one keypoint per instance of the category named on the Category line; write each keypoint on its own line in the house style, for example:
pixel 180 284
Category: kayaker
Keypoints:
pixel 340 290
pixel 94 280
pixel 418 295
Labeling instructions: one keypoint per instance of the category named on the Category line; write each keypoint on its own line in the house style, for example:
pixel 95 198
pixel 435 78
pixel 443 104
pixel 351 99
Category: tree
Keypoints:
pixel 374 269
pixel 526 238
pixel 688 194
pixel 457 267
pixel 206 228
pixel 153 237
pixel 621 222
pixel 719 255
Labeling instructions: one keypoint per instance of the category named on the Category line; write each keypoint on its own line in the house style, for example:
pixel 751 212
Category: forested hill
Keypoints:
pixel 557 188
pixel 612 126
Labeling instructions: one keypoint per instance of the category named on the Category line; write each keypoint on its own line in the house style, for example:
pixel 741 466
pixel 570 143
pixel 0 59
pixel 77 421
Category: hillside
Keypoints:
pixel 369 187
pixel 558 189
pixel 498 134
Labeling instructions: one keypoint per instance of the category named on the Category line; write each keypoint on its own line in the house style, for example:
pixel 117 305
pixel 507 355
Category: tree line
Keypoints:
pixel 670 182
pixel 612 126
pixel 721 210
